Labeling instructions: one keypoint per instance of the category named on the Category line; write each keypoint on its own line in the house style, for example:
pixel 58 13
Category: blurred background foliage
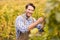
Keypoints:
pixel 10 9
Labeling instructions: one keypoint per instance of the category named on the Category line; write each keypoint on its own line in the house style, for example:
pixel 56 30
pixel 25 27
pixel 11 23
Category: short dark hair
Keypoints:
pixel 30 4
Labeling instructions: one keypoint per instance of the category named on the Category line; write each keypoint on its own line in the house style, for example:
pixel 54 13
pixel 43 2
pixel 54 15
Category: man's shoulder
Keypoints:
pixel 19 17
pixel 33 18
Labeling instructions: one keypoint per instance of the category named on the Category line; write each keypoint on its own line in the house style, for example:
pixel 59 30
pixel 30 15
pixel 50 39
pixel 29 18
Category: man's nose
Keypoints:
pixel 31 11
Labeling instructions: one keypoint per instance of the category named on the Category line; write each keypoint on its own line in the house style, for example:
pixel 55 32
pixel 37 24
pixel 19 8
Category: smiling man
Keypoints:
pixel 25 22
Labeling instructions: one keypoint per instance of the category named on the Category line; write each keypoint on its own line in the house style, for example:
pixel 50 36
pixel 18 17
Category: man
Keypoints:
pixel 25 22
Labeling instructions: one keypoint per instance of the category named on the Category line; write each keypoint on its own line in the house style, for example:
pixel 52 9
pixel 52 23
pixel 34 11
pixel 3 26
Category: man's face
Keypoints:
pixel 29 11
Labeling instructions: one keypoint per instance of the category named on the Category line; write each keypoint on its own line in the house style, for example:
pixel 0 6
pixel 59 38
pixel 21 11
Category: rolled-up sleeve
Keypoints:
pixel 39 26
pixel 20 25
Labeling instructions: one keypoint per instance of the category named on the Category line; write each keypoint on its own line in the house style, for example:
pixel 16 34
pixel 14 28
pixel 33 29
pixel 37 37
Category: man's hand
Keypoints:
pixel 40 20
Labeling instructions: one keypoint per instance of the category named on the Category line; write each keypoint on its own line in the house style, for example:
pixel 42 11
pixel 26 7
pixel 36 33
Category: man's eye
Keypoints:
pixel 30 10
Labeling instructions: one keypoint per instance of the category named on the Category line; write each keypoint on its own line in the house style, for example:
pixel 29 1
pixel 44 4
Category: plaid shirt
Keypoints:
pixel 22 24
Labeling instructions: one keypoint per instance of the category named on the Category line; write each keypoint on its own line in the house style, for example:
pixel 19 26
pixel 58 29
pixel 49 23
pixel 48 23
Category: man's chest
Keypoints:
pixel 28 22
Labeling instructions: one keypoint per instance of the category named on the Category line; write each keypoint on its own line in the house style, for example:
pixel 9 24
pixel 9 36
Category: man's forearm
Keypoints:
pixel 40 20
pixel 33 25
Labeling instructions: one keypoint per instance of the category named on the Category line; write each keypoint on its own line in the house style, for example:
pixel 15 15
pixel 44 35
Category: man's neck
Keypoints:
pixel 27 16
